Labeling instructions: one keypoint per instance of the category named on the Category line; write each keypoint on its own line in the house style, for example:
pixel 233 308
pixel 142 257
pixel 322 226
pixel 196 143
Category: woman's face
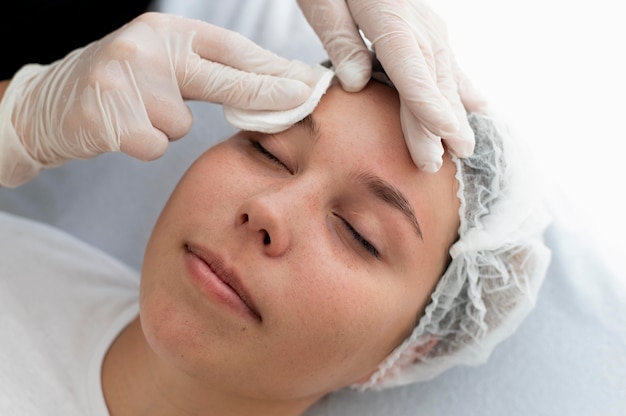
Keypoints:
pixel 290 265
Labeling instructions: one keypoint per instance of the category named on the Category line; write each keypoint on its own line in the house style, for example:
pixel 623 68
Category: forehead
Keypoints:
pixel 375 107
pixel 363 132
pixel 364 122
pixel 366 125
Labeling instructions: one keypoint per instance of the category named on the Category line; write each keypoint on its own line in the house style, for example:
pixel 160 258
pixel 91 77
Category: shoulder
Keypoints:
pixel 61 303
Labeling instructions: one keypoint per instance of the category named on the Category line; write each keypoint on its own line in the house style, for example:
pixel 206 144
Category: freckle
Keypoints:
pixel 243 329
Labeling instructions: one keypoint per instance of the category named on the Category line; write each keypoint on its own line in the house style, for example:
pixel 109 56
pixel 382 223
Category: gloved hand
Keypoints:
pixel 125 92
pixel 411 42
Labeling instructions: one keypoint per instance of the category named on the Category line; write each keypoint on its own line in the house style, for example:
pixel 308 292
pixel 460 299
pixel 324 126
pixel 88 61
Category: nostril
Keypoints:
pixel 266 239
pixel 244 218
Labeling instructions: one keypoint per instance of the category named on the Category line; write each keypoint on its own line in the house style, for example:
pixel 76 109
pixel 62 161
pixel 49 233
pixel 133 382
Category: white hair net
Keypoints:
pixel 497 265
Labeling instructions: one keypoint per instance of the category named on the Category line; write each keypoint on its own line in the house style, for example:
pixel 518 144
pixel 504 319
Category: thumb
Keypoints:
pixel 332 22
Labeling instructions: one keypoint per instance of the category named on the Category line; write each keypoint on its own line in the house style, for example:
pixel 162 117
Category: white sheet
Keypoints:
pixel 568 358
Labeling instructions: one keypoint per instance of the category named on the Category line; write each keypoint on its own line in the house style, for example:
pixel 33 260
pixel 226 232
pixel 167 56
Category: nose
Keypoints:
pixel 266 219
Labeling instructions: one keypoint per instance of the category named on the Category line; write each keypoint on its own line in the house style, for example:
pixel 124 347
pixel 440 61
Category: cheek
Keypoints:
pixel 344 321
pixel 164 324
pixel 164 313
pixel 210 190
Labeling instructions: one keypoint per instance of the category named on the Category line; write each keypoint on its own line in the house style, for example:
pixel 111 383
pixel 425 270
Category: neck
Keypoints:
pixel 137 382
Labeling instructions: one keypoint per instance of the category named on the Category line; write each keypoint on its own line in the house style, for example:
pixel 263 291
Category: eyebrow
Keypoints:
pixel 376 185
pixel 309 125
pixel 392 196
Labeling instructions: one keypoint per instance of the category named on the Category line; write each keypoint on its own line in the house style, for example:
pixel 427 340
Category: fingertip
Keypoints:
pixel 295 88
pixel 427 156
pixel 436 114
pixel 272 94
pixel 295 93
pixel 147 146
pixel 180 124
pixel 425 152
pixel 429 166
pixel 354 74
pixel 461 148
pixel 462 144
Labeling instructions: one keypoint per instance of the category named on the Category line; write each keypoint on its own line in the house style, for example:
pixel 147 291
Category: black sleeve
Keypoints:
pixel 36 31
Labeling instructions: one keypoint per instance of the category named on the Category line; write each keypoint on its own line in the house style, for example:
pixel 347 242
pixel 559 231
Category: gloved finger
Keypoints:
pixel 156 91
pixel 215 44
pixel 194 45
pixel 147 145
pixel 473 100
pixel 462 142
pixel 142 68
pixel 222 84
pixel 120 124
pixel 424 147
pixel 404 62
pixel 419 91
pixel 127 126
pixel 333 23
pixel 171 116
pixel 234 70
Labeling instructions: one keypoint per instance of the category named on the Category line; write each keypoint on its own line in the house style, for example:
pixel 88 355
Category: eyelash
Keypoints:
pixel 262 150
pixel 355 234
pixel 360 239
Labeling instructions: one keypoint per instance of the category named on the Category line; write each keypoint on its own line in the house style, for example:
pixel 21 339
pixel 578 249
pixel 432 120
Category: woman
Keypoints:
pixel 284 267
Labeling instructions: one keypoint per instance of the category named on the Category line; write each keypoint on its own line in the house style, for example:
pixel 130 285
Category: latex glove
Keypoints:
pixel 125 92
pixel 411 42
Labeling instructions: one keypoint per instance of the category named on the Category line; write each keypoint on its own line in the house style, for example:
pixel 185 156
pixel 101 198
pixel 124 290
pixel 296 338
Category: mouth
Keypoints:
pixel 219 281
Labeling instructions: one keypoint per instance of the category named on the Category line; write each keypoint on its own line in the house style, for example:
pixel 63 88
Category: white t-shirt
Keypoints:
pixel 62 303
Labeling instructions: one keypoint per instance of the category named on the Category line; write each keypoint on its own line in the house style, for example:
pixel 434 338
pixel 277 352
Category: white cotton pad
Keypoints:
pixel 266 121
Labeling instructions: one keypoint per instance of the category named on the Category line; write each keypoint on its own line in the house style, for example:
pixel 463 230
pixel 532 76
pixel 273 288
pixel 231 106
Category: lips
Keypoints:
pixel 228 277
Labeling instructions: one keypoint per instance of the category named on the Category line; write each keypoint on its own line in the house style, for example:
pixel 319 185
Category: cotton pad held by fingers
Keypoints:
pixel 268 121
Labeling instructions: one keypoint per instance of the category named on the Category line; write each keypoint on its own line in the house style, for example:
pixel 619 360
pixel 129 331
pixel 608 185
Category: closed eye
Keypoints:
pixel 268 155
pixel 369 247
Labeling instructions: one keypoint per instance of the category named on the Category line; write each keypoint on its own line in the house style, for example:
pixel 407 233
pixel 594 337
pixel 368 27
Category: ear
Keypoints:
pixel 418 350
